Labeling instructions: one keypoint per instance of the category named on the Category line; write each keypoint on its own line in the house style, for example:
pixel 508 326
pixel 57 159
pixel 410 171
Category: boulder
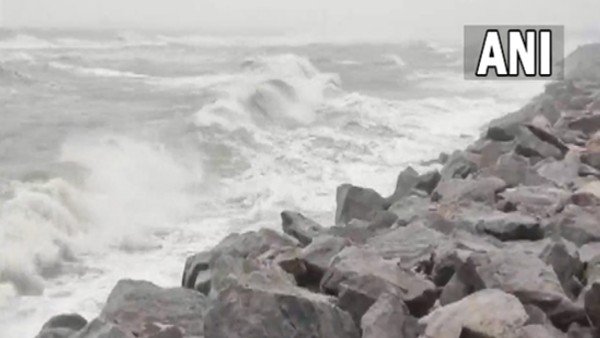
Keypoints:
pixel 409 209
pixel 538 331
pixel 514 169
pixel 196 273
pixel 490 151
pixel 482 189
pixel 357 203
pixel 562 173
pixel 459 165
pixel 142 309
pixel 352 265
pixel 510 226
pixel 406 182
pixel 255 312
pixel 300 227
pixel 591 299
pixel 580 225
pixel 530 145
pixel 473 314
pixel 389 318
pixel 541 201
pixel 521 274
pixel 588 124
pixel 100 328
pixel 62 326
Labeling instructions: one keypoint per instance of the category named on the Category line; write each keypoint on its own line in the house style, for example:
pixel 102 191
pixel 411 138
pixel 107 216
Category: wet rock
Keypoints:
pixel 523 275
pixel 479 190
pixel 562 173
pixel 389 318
pixel 196 273
pixel 592 159
pixel 357 203
pixel 100 328
pixel 409 209
pixel 412 245
pixel 538 331
pixel 253 312
pixel 300 227
pixel 473 314
pixel 142 308
pixel 540 201
pixel 580 225
pixel 354 263
pixel 529 144
pixel 406 182
pixel 459 165
pixel 514 169
pixel 500 133
pixel 62 326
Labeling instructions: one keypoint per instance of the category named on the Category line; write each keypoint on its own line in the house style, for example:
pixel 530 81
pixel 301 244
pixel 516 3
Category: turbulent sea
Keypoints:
pixel 122 153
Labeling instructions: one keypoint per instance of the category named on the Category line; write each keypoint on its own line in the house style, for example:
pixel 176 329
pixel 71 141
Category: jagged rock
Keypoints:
pixel 300 227
pixel 588 251
pixel 458 166
pixel 474 313
pixel 510 226
pixel 529 144
pixel 524 275
pixel 499 133
pixel 309 266
pixel 514 169
pixel 197 271
pixel 62 326
pixel 580 225
pixel 562 173
pixel 254 312
pixel 588 124
pixel 479 190
pixel 142 308
pixel 578 331
pixel 406 182
pixel 543 131
pixel 592 159
pixel 389 318
pixel 428 181
pixel 354 263
pixel 357 203
pixel 563 257
pixel 409 209
pixel 535 200
pixel 100 328
pixel 592 303
pixel 490 151
pixel 412 245
pixel 538 331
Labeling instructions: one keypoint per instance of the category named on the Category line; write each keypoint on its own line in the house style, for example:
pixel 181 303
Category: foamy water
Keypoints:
pixel 122 153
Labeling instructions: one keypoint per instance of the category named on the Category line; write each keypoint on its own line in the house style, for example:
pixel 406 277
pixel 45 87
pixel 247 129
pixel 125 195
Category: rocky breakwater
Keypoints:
pixel 503 241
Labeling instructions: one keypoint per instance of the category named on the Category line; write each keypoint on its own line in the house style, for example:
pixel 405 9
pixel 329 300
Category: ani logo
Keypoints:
pixel 513 52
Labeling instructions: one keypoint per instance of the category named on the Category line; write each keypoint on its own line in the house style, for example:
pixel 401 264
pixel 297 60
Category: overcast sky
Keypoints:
pixel 402 19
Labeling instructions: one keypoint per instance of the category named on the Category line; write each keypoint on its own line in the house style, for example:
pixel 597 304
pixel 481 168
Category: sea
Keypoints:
pixel 124 152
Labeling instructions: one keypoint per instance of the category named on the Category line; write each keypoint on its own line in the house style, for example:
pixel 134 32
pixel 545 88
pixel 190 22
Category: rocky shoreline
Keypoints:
pixel 503 241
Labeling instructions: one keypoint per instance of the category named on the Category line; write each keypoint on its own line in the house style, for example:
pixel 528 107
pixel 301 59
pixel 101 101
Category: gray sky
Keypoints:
pixel 402 19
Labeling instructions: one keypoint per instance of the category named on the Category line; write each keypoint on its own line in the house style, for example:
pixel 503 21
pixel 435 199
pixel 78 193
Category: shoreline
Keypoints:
pixel 512 221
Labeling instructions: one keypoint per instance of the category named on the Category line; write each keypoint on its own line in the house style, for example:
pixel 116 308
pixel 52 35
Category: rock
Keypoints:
pixel 412 245
pixel 382 220
pixel 251 312
pixel 406 182
pixel 592 303
pixel 100 328
pixel 523 275
pixel 458 166
pixel 300 227
pixel 580 225
pixel 62 326
pixel 490 151
pixel 409 209
pixel 428 181
pixel 543 132
pixel 577 331
pixel 538 331
pixel 592 159
pixel 588 124
pixel 587 252
pixel 499 133
pixel 562 173
pixel 473 314
pixel 591 188
pixel 479 190
pixel 529 144
pixel 354 263
pixel 357 203
pixel 197 271
pixel 563 257
pixel 542 201
pixel 314 260
pixel 514 169
pixel 389 318
pixel 511 226
pixel 142 308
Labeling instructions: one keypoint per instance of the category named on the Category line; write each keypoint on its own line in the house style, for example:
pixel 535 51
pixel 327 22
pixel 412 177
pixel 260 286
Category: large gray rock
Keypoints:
pixel 522 274
pixel 356 264
pixel 300 227
pixel 100 328
pixel 562 173
pixel 254 312
pixel 538 331
pixel 515 169
pixel 409 209
pixel 510 226
pixel 357 203
pixel 389 318
pixel 580 225
pixel 478 190
pixel 62 326
pixel 542 201
pixel 529 145
pixel 487 313
pixel 142 309
pixel 592 303
pixel 459 165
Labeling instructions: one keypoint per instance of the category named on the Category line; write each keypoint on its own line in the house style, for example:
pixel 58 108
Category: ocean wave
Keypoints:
pixel 100 72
